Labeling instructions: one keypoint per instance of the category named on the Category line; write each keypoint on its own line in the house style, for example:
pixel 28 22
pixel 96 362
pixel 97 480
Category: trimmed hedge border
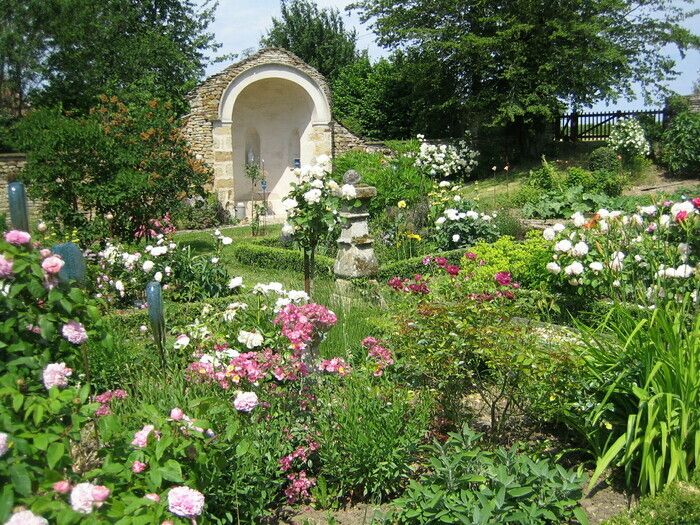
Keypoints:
pixel 414 265
pixel 279 258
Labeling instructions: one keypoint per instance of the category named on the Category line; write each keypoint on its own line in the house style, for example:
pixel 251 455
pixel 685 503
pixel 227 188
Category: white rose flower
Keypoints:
pixel 549 234
pixel 289 204
pixel 181 342
pixel 596 266
pixel 297 296
pixel 158 276
pixel 147 266
pixel 287 229
pixel 553 267
pixel 348 191
pixel 214 260
pixel 444 184
pixel 317 183
pixel 558 227
pixel 563 246
pixel 603 213
pixel 575 268
pixel 455 238
pixel 579 219
pixel 313 196
pixel 440 220
pixel 617 258
pixel 684 271
pixel 226 241
pixel 235 282
pixel 471 214
pixel 580 249
pixel 250 339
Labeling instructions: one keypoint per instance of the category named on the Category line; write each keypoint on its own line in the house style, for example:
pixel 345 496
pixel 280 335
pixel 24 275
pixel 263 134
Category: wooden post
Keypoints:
pixel 574 126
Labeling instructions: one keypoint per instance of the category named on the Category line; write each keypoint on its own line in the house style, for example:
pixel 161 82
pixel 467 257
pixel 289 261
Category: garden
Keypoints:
pixel 474 320
pixel 490 372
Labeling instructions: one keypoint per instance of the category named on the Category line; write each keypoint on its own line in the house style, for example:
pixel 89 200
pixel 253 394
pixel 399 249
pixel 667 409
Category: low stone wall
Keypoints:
pixel 694 101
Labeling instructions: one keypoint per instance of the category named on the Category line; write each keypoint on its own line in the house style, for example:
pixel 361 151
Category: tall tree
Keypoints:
pixel 85 48
pixel 317 36
pixel 517 62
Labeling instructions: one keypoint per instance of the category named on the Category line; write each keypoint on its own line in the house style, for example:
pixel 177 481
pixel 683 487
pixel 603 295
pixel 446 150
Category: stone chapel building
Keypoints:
pixel 272 110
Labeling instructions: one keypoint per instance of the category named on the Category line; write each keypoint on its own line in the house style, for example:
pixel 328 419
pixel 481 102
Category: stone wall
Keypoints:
pixel 204 100
pixel 344 140
pixel 694 101
pixel 11 165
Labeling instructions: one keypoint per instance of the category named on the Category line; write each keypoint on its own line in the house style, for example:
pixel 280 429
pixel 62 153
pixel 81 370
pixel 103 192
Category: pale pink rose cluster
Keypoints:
pixel 74 332
pixel 52 264
pixel 185 502
pixel 26 517
pixel 56 374
pixel 5 267
pixel 141 437
pixel 138 466
pixel 17 237
pixel 85 497
pixel 246 401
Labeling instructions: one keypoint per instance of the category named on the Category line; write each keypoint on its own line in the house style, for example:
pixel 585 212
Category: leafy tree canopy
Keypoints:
pixel 519 61
pixel 317 36
pixel 68 52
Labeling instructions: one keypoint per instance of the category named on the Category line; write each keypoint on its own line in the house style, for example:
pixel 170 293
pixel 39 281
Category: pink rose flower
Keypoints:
pixel 138 467
pixel 176 414
pixel 52 265
pixel 62 487
pixel 56 374
pixel 185 502
pixel 153 497
pixel 246 401
pixel 100 493
pixel 5 267
pixel 74 332
pixel 141 437
pixel 17 237
pixel 44 252
pixel 26 517
pixel 82 499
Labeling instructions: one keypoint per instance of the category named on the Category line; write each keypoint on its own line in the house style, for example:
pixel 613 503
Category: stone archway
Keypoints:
pixel 272 95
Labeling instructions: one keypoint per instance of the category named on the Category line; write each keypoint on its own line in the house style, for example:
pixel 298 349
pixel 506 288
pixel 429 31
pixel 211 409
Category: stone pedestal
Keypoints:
pixel 355 252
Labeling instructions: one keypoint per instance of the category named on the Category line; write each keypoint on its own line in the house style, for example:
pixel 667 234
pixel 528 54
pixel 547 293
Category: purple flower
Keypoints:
pixel 74 332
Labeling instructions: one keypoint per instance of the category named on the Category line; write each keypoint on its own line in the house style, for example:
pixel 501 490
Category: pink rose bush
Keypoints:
pixel 17 237
pixel 52 264
pixel 5 267
pixel 651 253
pixel 85 497
pixel 74 332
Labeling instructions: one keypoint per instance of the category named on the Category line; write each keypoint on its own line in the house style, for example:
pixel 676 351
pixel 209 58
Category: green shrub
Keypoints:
pixel 199 214
pixel 468 484
pixel 604 158
pixel 260 256
pixel 681 144
pixel 370 434
pixel 414 265
pixel 678 504
pixel 610 183
pixel 396 178
pixel 547 177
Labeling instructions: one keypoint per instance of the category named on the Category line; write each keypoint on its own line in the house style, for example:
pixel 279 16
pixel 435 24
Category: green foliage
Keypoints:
pixel 604 158
pixel 278 258
pixel 411 266
pixel 638 406
pixel 370 434
pixel 83 49
pixel 317 36
pixel 677 504
pixel 396 178
pixel 200 213
pixel 468 484
pixel 509 58
pixel 108 173
pixel 681 144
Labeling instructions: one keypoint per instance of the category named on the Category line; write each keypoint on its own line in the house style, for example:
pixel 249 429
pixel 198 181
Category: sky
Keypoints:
pixel 239 24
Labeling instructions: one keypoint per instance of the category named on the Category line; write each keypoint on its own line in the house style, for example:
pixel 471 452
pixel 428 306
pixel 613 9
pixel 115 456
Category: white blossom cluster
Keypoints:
pixel 284 298
pixel 627 138
pixel 615 250
pixel 446 160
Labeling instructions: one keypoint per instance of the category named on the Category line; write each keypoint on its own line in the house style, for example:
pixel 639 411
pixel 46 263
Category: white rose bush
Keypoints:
pixel 646 257
pixel 627 138
pixel 446 160
pixel 312 207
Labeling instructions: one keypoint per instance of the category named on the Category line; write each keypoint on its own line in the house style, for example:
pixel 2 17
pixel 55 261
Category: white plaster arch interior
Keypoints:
pixel 289 115
pixel 322 109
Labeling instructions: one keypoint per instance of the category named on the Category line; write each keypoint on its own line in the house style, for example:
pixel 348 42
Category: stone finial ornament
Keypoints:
pixel 356 256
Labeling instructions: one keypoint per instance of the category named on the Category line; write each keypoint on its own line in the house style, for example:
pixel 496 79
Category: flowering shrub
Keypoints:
pixel 460 226
pixel 446 160
pixel 627 138
pixel 312 210
pixel 650 254
pixel 123 274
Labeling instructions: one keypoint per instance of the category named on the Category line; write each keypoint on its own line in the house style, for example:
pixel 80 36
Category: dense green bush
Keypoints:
pixel 681 144
pixel 468 484
pixel 260 256
pixel 604 158
pixel 414 265
pixel 200 213
pixel 396 178
pixel 368 446
pixel 108 173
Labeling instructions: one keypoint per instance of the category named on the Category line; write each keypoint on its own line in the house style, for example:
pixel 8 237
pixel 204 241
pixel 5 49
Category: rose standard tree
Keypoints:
pixel 312 210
